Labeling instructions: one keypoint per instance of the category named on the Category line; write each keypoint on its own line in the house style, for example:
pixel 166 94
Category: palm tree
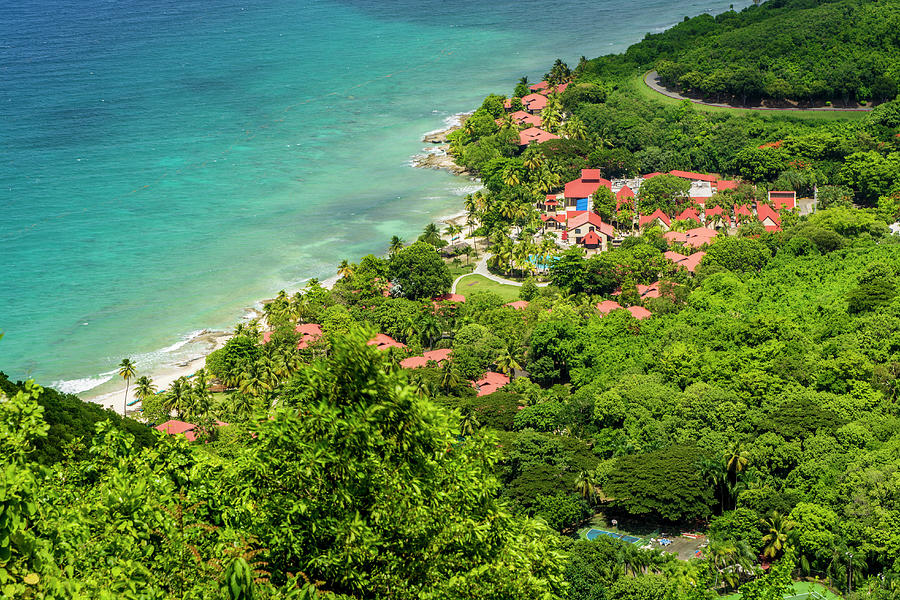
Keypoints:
pixel 396 245
pixel 178 398
pixel 586 485
pixel 468 423
pixel 453 230
pixel 429 329
pixel 575 128
pixel 449 377
pixel 431 235
pixel 345 269
pixel 533 160
pixel 202 397
pixel 736 459
pixel 144 388
pixel 506 362
pixel 127 371
pixel 777 527
pixel 511 176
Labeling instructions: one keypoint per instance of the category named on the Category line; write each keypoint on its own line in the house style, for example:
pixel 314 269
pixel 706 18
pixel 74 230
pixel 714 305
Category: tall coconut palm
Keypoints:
pixel 533 160
pixel 511 176
pixel 468 423
pixel 429 329
pixel 345 269
pixel 127 371
pixel 202 396
pixel 777 527
pixel 575 128
pixel 449 377
pixel 507 362
pixel 395 246
pixel 178 398
pixel 144 388
pixel 453 230
pixel 586 485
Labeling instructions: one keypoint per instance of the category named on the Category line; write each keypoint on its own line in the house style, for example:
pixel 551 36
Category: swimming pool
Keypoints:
pixel 593 534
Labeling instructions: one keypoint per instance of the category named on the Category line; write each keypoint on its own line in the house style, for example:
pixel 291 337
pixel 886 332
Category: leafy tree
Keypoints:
pixel 419 272
pixel 737 254
pixel 560 511
pixel 666 483
pixel 664 192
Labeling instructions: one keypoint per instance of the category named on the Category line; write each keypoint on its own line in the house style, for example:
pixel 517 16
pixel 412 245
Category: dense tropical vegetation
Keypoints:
pixel 758 405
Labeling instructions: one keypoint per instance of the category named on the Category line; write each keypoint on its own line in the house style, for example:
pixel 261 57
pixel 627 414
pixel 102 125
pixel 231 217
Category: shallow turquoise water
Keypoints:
pixel 164 165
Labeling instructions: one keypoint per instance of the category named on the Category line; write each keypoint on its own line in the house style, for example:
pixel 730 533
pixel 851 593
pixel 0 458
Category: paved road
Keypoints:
pixel 482 269
pixel 652 81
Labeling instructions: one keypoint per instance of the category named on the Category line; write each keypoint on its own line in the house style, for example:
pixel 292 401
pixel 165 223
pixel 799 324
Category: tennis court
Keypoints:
pixel 593 534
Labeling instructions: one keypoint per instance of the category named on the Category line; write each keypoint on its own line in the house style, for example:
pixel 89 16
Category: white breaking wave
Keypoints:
pixel 76 386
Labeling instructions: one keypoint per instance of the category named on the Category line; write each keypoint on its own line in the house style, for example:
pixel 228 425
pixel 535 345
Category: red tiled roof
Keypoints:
pixel 490 382
pixel 743 209
pixel 589 182
pixel 691 262
pixel 654 174
pixel 507 104
pixel 518 304
pixel 266 336
pixel 625 192
pixel 450 298
pixel 764 211
pixel 675 236
pixel 675 257
pixel 538 86
pixel 550 197
pixel 693 176
pixel 417 362
pixel 591 239
pixel 533 134
pixel 639 312
pixel 688 214
pixel 607 306
pixel 550 203
pixel 782 200
pixel 174 427
pixel 384 341
pixel 656 214
pixel 534 101
pixel 702 232
pixel 544 217
pixel 716 210
pixel 561 88
pixel 523 117
pixel 309 329
pixel 560 218
pixel 726 184
pixel 583 217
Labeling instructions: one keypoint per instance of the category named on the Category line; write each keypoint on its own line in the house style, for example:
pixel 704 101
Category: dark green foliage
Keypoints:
pixel 800 419
pixel 737 254
pixel 496 410
pixel 666 483
pixel 72 424
pixel 419 272
pixel 560 511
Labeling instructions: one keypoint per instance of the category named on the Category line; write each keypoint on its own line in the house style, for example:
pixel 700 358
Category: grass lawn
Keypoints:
pixel 457 270
pixel 479 283
pixel 637 84
pixel 801 588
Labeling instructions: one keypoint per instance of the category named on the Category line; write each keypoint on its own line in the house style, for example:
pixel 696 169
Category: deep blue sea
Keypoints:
pixel 166 164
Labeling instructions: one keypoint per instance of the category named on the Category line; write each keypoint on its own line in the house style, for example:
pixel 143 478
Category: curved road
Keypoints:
pixel 482 269
pixel 652 81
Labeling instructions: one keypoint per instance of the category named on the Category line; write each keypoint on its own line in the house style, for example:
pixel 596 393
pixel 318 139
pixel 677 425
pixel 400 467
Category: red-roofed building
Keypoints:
pixel 699 236
pixel 507 104
pixel 490 382
pixel 578 191
pixel 769 217
pixel 534 103
pixel 266 336
pixel 639 312
pixel 535 135
pixel 518 304
pixel 657 217
pixel 783 200
pixel 310 332
pixel 450 298
pixel 383 342
pixel 675 257
pixel 523 118
pixel 188 430
pixel 675 237
pixel 607 306
pixel 726 184
pixel 581 224
pixel 541 85
pixel 417 362
pixel 743 212
pixel 716 217
pixel 624 196
pixel 651 175
pixel 693 176
pixel 561 88
pixel 688 214
pixel 691 262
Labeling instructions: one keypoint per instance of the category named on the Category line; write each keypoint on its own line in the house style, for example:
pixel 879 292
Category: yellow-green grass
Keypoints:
pixel 478 283
pixel 637 85
pixel 801 589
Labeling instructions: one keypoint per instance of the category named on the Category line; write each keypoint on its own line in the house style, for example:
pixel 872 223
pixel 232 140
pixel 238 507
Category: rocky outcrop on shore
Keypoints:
pixel 438 157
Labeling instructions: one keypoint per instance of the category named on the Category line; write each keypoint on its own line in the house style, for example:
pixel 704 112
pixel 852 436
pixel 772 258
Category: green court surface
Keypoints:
pixel 803 590
pixel 478 283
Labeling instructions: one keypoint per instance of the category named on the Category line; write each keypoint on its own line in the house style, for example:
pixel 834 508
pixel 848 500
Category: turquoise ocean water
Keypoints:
pixel 166 164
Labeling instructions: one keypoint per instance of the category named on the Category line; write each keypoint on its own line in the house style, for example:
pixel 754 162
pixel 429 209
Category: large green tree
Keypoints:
pixel 420 272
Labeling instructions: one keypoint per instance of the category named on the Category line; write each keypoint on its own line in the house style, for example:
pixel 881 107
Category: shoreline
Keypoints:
pixel 109 393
